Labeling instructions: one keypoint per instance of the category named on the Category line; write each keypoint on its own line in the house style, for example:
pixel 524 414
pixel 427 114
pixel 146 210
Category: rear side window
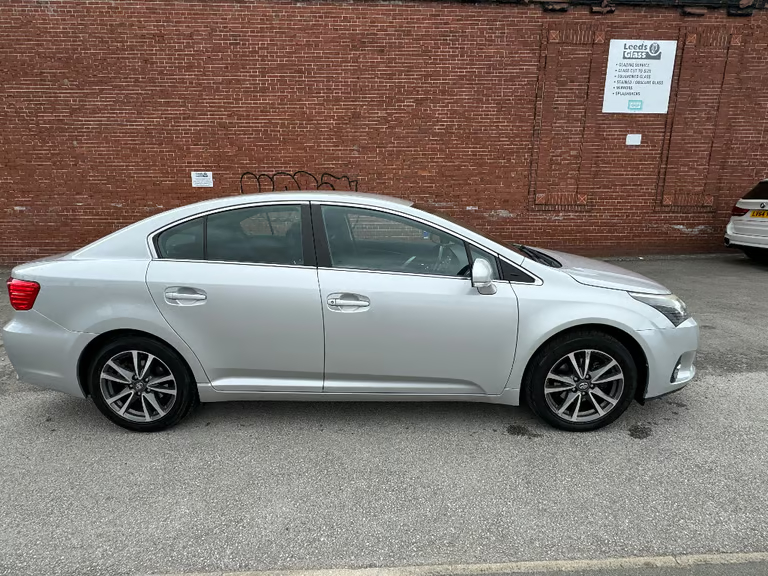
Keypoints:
pixel 182 242
pixel 759 192
pixel 258 235
pixel 261 235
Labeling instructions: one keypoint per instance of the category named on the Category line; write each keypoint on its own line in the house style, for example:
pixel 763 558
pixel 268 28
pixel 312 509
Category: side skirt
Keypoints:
pixel 209 394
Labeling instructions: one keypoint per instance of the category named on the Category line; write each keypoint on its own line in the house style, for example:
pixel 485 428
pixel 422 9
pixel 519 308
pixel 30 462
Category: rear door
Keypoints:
pixel 401 315
pixel 240 288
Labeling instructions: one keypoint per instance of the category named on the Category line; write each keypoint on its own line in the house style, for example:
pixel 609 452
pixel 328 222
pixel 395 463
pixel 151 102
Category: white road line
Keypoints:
pixel 512 567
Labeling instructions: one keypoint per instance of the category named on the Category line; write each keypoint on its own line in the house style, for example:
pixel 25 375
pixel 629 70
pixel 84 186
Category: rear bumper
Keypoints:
pixel 671 357
pixel 43 353
pixel 733 240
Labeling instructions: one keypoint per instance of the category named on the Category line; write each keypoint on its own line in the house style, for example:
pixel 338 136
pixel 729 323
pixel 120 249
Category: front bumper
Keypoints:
pixel 671 356
pixel 44 353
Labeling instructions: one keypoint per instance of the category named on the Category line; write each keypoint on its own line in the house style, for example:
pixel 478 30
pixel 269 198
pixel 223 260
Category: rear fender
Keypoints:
pixel 98 296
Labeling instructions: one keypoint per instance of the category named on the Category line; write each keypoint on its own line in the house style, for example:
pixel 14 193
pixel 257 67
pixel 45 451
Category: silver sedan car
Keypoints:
pixel 336 296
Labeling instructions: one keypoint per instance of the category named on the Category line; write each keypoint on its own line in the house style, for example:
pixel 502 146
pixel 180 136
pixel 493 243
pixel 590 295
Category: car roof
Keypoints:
pixel 283 196
pixel 321 195
pixel 301 195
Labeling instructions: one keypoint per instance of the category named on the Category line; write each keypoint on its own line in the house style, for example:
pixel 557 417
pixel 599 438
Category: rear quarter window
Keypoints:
pixel 182 242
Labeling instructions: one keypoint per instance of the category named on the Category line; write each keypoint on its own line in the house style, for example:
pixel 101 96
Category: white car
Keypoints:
pixel 748 228
pixel 335 296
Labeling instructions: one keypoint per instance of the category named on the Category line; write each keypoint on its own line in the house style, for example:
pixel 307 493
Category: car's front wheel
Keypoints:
pixel 581 381
pixel 141 384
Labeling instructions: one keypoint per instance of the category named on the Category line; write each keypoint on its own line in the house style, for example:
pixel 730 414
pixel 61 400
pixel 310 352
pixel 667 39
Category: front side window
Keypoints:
pixel 258 235
pixel 476 253
pixel 372 240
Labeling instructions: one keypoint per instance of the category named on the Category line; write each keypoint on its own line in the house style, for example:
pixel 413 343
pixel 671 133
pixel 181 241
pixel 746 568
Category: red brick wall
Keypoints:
pixel 490 112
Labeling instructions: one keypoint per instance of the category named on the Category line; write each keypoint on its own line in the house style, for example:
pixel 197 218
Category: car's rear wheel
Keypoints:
pixel 581 381
pixel 757 254
pixel 141 384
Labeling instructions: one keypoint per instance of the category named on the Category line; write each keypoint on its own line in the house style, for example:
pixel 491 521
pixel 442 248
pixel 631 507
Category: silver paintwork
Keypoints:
pixel 604 274
pixel 259 328
pixel 251 331
pixel 413 338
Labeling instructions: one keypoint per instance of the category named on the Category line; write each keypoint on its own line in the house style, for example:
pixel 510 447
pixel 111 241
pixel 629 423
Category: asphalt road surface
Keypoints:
pixel 260 486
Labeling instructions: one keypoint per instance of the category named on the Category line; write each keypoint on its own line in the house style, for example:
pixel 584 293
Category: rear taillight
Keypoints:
pixel 22 293
pixel 737 211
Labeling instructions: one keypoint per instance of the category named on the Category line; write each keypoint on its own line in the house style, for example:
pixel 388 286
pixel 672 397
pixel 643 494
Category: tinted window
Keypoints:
pixel 264 235
pixel 759 192
pixel 515 274
pixel 372 240
pixel 467 226
pixel 182 242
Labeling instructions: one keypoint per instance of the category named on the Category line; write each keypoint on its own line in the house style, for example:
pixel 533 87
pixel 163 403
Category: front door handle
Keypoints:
pixel 346 302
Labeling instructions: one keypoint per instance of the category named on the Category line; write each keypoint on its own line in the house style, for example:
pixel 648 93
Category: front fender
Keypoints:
pixel 547 310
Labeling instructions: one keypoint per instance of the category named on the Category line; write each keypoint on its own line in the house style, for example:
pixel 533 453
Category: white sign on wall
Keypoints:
pixel 202 179
pixel 639 76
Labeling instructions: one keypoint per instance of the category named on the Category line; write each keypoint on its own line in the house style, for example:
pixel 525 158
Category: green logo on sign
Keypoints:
pixel 635 105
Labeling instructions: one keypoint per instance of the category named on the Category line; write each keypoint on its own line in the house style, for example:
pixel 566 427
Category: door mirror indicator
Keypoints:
pixel 482 276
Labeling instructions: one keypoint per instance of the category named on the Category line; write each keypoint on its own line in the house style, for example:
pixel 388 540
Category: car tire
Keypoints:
pixel 150 376
pixel 556 388
pixel 757 254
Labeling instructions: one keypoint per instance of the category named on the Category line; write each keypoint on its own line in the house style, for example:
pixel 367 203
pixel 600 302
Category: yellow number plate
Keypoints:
pixel 759 213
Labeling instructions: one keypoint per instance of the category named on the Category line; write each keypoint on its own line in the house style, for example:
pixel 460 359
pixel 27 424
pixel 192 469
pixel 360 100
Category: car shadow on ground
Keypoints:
pixel 54 413
pixel 468 417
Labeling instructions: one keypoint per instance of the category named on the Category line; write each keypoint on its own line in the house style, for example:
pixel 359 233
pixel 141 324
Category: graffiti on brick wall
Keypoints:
pixel 251 183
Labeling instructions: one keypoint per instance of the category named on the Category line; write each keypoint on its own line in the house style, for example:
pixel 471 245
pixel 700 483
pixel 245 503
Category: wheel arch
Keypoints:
pixel 89 352
pixel 630 342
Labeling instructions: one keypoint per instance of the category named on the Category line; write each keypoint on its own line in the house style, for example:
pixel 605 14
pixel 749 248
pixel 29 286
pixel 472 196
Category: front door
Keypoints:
pixel 401 315
pixel 239 290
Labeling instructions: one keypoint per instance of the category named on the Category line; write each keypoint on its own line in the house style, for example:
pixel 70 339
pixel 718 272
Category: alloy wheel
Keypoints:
pixel 584 386
pixel 138 386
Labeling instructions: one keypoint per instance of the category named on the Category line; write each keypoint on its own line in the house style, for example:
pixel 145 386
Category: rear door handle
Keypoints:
pixel 182 296
pixel 344 302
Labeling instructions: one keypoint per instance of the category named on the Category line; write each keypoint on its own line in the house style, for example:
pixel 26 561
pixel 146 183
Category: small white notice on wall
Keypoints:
pixel 639 76
pixel 202 179
pixel 634 139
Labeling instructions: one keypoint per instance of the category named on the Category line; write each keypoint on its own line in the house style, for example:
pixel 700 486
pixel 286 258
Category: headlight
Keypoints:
pixel 668 304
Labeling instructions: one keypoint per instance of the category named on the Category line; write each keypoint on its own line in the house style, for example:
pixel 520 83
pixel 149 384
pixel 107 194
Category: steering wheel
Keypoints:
pixel 413 261
pixel 446 260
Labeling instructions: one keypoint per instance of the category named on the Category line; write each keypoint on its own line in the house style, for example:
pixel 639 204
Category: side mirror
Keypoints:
pixel 482 276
